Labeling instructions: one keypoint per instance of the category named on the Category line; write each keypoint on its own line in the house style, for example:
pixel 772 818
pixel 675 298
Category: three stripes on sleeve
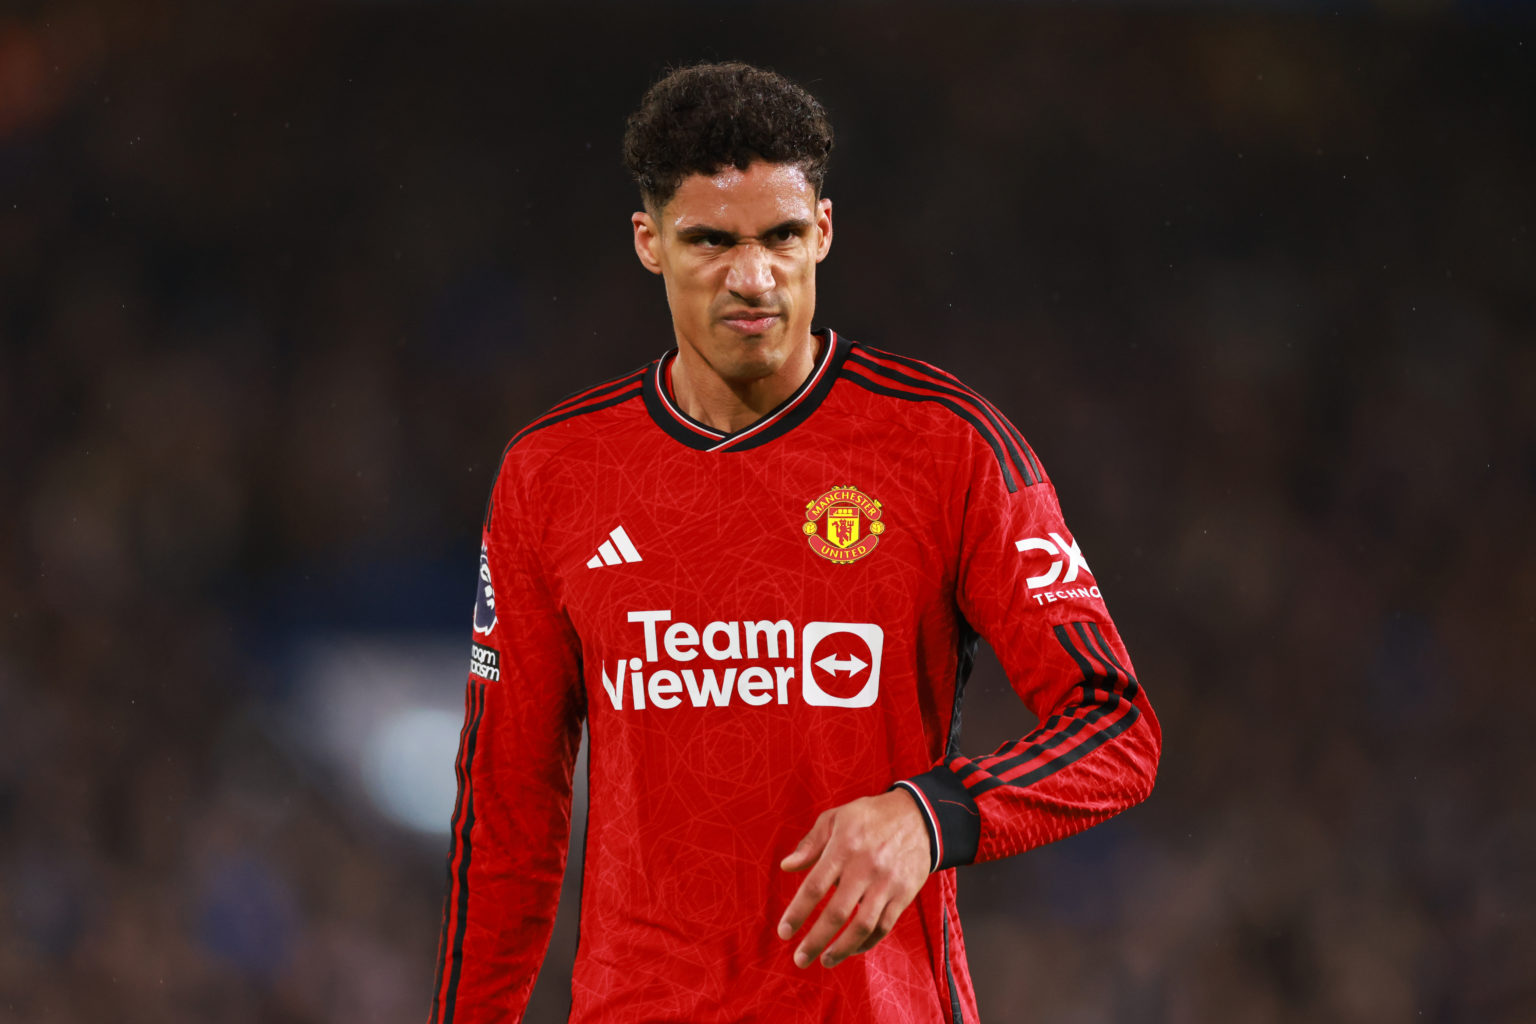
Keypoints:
pixel 1101 710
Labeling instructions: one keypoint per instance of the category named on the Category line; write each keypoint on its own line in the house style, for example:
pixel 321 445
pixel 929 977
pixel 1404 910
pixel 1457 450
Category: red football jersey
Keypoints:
pixel 757 627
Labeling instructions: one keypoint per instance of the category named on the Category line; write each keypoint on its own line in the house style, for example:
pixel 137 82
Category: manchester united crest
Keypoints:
pixel 843 525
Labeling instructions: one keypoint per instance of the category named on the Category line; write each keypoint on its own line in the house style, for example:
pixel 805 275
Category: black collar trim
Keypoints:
pixel 790 413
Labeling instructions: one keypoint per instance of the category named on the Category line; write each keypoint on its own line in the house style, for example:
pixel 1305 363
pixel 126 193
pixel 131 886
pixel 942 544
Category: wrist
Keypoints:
pixel 953 820
pixel 922 822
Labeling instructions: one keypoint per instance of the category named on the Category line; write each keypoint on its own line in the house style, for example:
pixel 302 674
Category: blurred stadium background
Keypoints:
pixel 277 282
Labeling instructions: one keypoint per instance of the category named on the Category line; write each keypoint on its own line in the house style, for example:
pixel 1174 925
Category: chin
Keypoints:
pixel 763 353
pixel 750 369
pixel 752 360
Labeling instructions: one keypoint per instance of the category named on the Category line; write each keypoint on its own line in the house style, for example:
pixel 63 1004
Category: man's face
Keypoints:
pixel 738 252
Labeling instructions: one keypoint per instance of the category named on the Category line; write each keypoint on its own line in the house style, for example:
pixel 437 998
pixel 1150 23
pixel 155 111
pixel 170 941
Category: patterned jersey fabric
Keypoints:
pixel 756 627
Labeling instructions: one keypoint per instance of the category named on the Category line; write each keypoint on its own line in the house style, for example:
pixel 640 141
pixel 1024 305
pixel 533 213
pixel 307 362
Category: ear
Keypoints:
pixel 647 240
pixel 823 228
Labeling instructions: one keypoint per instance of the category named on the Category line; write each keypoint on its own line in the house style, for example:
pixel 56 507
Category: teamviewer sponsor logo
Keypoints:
pixel 745 661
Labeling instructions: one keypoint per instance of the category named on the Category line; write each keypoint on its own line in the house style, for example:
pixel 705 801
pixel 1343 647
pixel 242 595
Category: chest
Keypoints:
pixel 763 607
pixel 819 531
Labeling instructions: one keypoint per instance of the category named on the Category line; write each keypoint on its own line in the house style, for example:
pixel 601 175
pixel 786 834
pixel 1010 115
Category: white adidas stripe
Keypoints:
pixel 608 554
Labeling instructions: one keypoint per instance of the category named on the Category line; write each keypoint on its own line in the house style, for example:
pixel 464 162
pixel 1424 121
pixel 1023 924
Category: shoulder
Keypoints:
pixel 587 412
pixel 934 401
pixel 591 414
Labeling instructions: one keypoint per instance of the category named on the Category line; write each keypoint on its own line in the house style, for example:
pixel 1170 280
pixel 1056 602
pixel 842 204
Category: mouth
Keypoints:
pixel 750 321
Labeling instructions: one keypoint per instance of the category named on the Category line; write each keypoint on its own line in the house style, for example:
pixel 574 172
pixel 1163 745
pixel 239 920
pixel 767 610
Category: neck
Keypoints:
pixel 731 405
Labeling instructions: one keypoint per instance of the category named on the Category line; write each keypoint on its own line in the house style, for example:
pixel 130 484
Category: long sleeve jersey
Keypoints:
pixel 756 627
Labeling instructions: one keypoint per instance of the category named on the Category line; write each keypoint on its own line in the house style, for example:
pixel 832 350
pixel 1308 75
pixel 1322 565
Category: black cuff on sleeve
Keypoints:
pixel 954 823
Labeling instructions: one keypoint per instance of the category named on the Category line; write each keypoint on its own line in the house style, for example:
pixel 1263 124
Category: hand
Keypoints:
pixel 873 855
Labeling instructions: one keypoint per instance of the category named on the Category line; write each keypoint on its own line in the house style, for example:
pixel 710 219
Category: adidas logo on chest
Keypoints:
pixel 617 549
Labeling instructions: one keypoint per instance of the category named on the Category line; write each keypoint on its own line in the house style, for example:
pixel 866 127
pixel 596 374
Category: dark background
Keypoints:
pixel 276 284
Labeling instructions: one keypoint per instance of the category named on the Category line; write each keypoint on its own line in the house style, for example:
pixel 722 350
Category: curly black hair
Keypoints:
pixel 699 119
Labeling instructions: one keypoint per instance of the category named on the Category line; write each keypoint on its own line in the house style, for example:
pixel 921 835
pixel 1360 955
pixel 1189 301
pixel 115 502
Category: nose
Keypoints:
pixel 751 273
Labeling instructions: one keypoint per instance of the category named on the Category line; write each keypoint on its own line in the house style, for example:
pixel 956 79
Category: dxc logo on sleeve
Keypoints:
pixel 1066 554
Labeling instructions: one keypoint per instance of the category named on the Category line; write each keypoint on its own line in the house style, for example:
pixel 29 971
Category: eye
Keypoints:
pixel 711 240
pixel 783 236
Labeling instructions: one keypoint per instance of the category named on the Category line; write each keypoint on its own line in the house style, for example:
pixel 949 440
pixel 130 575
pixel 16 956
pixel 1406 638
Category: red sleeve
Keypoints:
pixel 1025 586
pixel 512 819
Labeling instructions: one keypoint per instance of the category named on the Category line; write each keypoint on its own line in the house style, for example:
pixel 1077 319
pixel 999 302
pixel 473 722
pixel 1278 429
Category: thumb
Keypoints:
pixel 809 848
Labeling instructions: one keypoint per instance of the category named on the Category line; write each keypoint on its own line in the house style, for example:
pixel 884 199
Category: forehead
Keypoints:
pixel 743 202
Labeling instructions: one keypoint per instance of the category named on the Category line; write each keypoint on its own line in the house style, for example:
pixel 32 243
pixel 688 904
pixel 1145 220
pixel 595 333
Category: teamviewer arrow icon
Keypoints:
pixel 864 637
pixel 833 665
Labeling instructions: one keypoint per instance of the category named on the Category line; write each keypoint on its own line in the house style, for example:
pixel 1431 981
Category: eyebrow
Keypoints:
pixel 798 225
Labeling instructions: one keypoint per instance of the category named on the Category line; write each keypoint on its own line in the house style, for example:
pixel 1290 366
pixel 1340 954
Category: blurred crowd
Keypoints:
pixel 276 285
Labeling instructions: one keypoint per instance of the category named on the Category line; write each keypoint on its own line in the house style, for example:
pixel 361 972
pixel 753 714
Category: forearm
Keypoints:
pixel 1092 756
pixel 1040 788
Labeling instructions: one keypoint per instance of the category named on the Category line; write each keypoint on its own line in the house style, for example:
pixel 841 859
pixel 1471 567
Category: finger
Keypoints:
pixel 852 939
pixel 816 885
pixel 838 911
pixel 887 922
pixel 810 847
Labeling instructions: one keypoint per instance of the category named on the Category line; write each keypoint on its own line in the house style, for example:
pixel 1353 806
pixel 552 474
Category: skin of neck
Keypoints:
pixel 731 405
